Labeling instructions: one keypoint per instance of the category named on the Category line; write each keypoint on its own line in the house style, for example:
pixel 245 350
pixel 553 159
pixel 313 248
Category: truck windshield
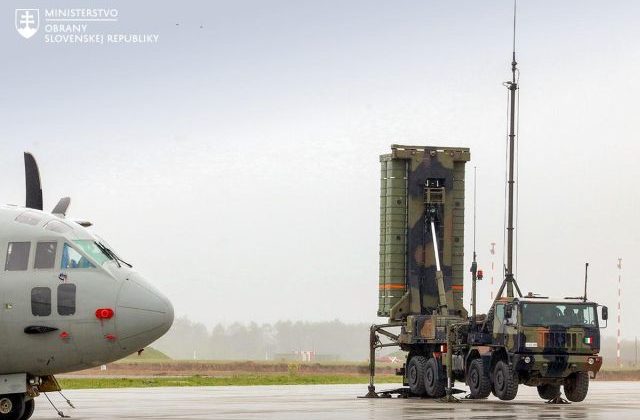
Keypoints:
pixel 559 314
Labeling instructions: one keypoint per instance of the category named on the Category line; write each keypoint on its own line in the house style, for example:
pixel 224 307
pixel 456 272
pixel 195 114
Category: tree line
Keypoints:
pixel 331 340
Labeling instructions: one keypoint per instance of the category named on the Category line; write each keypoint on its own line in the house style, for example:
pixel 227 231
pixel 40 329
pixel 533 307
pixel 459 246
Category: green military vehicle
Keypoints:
pixel 421 279
pixel 522 340
pixel 526 340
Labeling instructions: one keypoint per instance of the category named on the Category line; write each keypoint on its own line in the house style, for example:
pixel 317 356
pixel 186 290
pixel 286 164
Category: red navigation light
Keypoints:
pixel 110 337
pixel 104 313
pixel 64 335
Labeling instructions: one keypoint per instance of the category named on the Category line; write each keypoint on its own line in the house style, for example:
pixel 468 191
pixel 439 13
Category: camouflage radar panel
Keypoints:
pixel 421 184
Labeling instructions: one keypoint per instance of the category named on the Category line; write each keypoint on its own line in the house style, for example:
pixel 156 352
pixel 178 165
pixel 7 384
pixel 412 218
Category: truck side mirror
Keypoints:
pixel 605 313
pixel 508 311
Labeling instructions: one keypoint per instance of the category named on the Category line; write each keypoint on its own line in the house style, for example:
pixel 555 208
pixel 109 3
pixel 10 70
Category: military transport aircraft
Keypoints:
pixel 67 300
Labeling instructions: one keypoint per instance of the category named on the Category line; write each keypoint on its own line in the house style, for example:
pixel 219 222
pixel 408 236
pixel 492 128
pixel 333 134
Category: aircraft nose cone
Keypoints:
pixel 143 315
pixel 169 315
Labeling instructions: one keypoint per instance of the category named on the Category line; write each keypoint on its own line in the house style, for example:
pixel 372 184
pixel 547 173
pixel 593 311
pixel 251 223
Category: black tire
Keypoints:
pixel 505 381
pixel 13 405
pixel 416 370
pixel 576 386
pixel 478 380
pixel 435 379
pixel 29 407
pixel 548 391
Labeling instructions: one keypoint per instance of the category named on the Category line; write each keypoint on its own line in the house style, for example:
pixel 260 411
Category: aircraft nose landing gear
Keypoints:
pixel 12 406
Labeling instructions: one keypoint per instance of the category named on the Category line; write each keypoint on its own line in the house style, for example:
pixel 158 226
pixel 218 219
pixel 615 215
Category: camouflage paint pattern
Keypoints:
pixel 412 179
pixel 554 351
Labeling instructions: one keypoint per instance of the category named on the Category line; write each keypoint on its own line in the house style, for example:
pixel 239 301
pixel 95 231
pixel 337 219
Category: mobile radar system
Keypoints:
pixel 522 340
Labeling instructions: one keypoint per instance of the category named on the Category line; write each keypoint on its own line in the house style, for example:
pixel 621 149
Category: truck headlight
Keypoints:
pixel 591 360
pixel 527 359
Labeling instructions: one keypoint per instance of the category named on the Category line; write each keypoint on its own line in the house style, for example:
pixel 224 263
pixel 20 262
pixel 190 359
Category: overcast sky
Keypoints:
pixel 235 162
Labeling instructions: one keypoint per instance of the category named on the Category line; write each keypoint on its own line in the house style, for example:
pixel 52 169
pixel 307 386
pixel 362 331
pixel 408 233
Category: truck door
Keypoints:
pixel 498 324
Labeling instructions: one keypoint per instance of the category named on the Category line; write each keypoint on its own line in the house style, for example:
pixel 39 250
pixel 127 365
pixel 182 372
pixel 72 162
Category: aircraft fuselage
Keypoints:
pixel 65 302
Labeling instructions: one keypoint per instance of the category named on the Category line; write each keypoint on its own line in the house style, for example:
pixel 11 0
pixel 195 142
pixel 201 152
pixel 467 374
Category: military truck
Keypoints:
pixel 526 340
pixel 522 340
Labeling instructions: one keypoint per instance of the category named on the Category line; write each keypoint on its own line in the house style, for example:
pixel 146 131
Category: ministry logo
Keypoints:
pixel 27 22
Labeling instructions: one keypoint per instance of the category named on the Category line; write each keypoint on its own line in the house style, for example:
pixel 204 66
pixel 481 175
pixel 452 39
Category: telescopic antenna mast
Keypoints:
pixel 512 86
pixel 474 264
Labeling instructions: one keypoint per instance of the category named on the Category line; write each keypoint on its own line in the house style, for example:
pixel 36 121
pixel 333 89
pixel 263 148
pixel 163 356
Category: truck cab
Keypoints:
pixel 534 341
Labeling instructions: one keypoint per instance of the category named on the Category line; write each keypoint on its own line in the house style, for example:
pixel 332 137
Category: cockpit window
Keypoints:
pixel 58 226
pixel 17 256
pixel 29 218
pixel 91 248
pixel 45 255
pixel 73 259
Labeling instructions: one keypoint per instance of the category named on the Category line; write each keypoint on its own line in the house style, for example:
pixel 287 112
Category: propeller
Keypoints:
pixel 34 188
pixel 61 208
pixel 32 177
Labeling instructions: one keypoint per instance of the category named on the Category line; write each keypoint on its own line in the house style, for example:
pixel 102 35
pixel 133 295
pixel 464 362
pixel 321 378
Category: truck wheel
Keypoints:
pixel 576 386
pixel 11 406
pixel 505 381
pixel 416 371
pixel 29 406
pixel 435 379
pixel 548 391
pixel 479 382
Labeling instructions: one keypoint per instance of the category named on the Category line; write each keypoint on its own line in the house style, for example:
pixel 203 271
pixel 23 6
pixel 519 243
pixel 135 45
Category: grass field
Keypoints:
pixel 158 372
pixel 236 380
pixel 230 368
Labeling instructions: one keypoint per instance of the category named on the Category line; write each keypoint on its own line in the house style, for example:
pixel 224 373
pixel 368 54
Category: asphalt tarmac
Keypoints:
pixel 606 400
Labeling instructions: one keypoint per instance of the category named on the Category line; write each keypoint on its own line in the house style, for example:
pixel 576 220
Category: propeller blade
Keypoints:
pixel 61 208
pixel 32 177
